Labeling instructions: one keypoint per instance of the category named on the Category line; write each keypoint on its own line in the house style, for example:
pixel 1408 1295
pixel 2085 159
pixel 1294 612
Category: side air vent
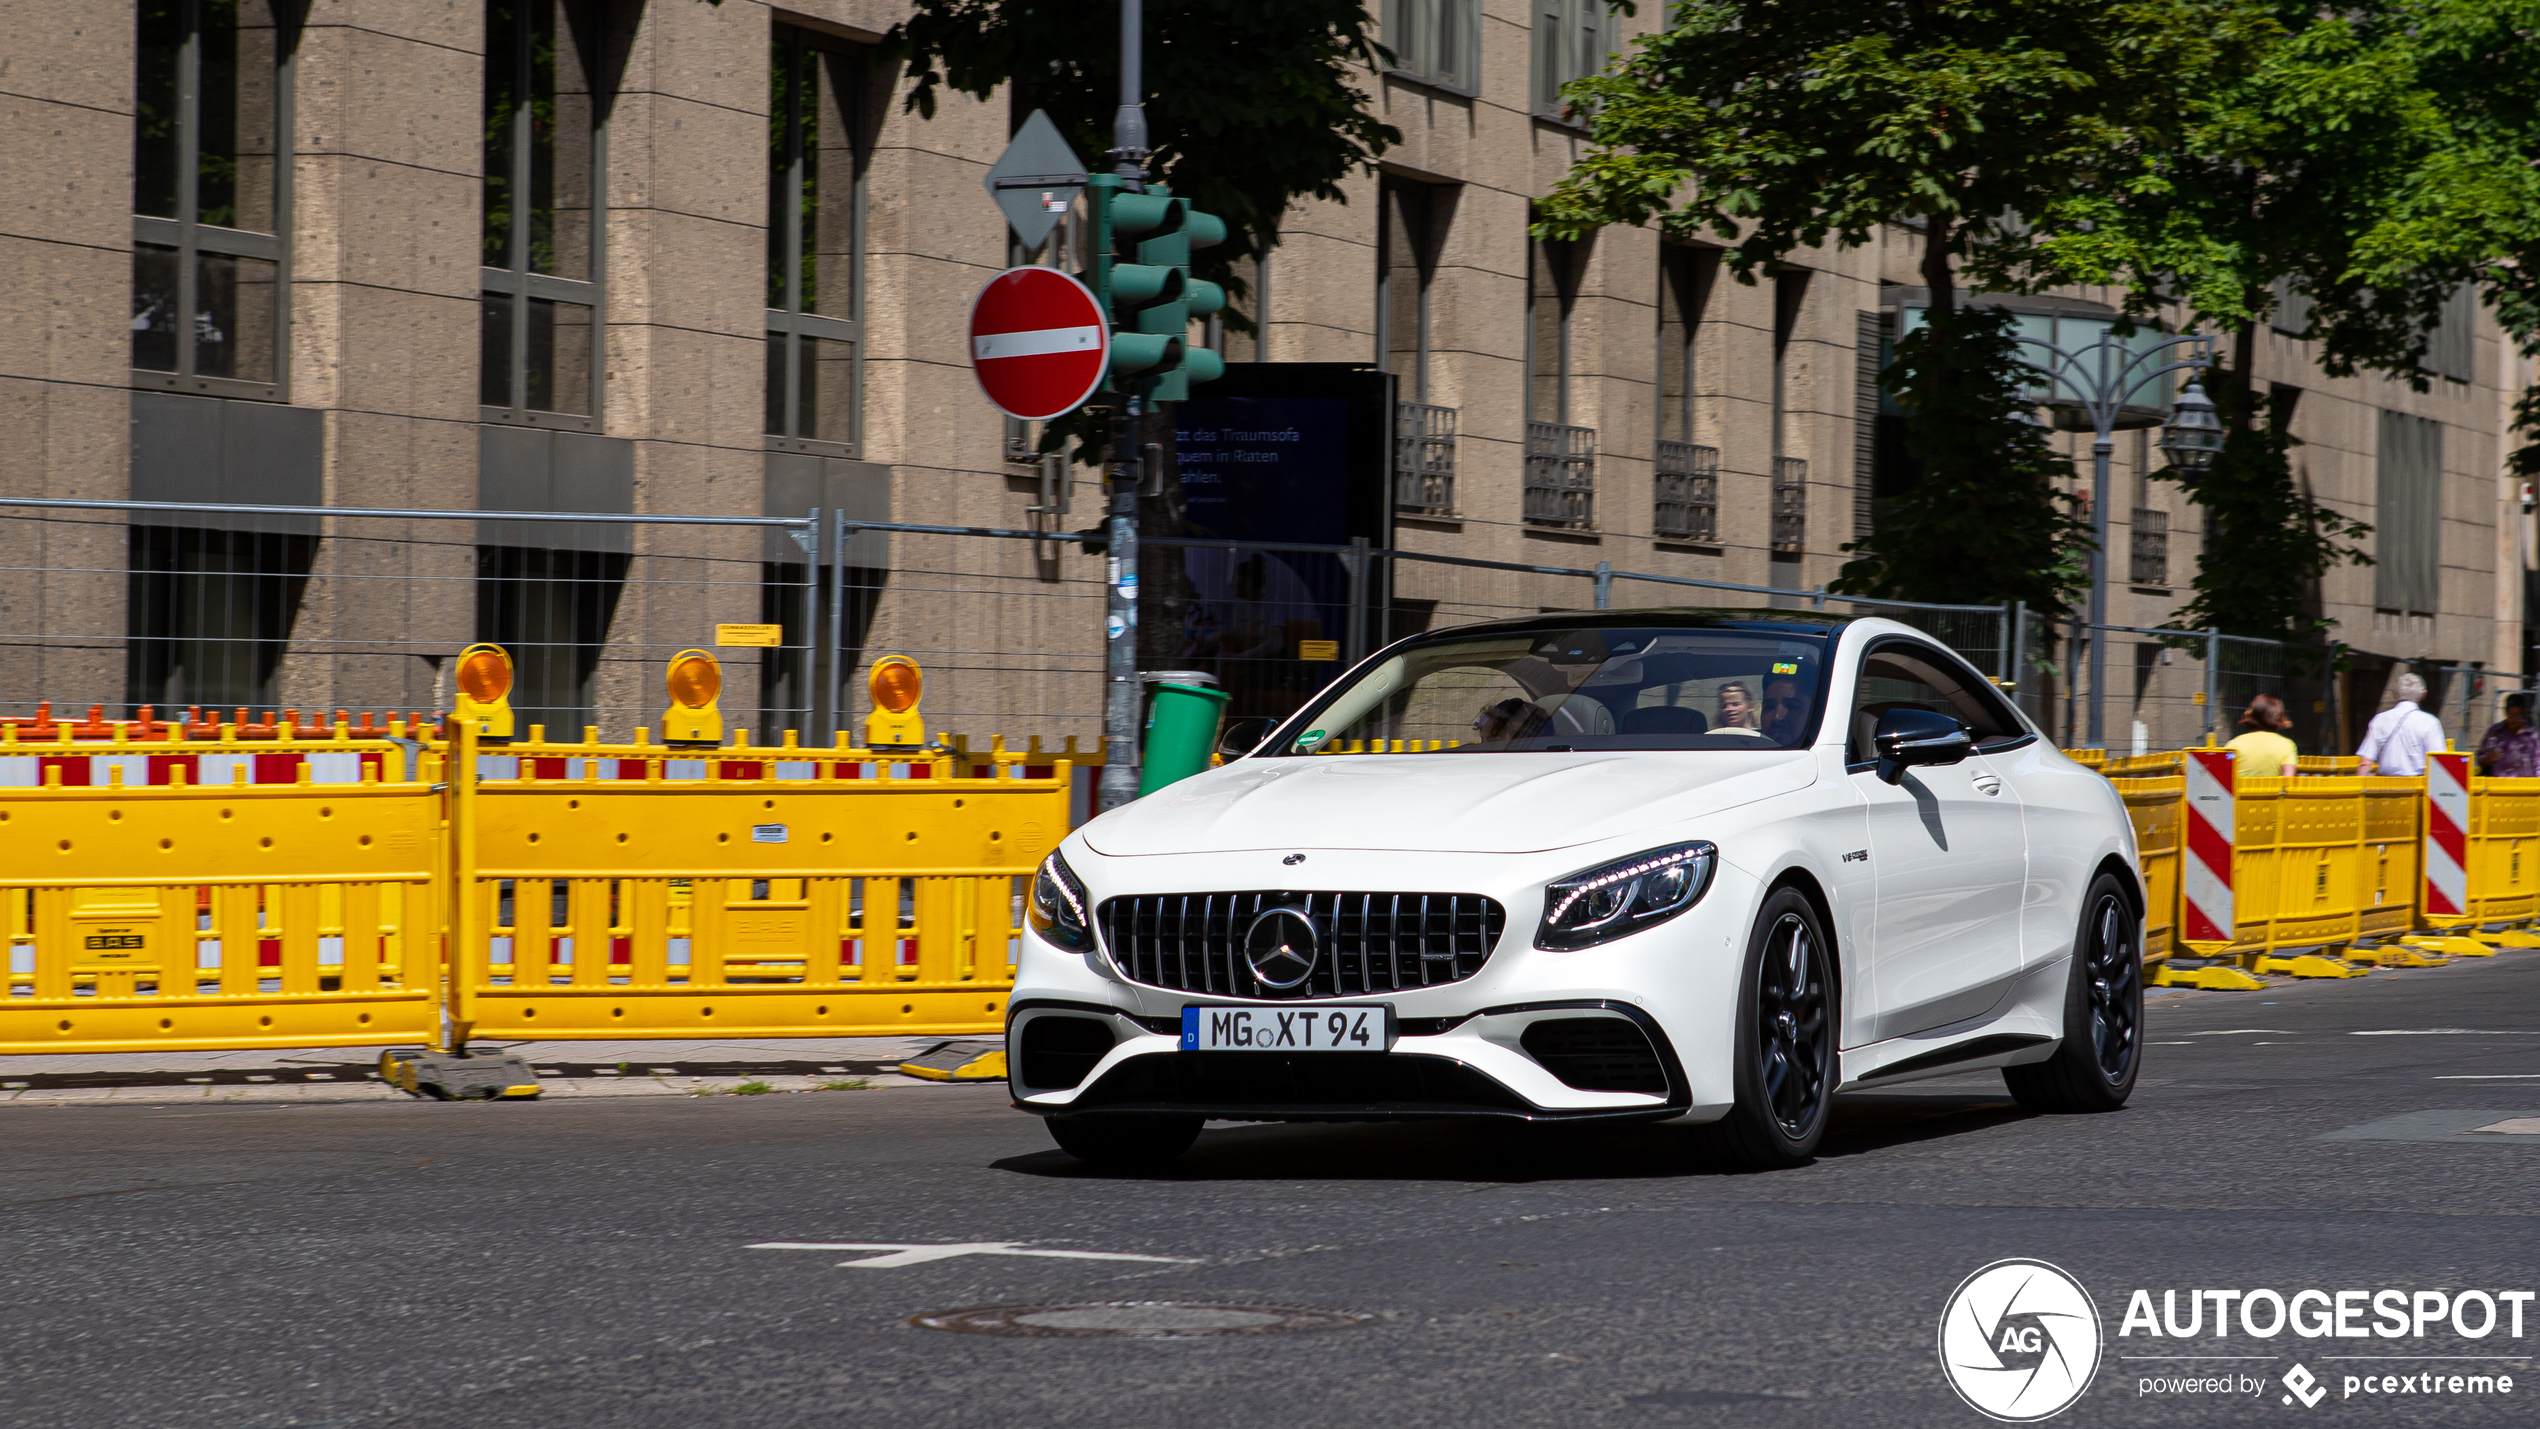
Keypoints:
pixel 1059 1052
pixel 1597 1054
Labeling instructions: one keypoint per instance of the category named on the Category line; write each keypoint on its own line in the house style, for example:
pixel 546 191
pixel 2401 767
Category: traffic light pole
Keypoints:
pixel 1120 599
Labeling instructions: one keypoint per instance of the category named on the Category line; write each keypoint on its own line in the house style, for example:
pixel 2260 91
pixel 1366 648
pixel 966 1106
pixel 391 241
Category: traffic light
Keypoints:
pixel 1150 301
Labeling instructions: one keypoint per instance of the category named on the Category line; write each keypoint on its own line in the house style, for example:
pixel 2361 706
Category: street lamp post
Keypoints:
pixel 2099 378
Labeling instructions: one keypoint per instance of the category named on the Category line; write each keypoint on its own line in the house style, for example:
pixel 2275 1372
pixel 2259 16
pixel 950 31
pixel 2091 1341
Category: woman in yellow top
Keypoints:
pixel 2264 751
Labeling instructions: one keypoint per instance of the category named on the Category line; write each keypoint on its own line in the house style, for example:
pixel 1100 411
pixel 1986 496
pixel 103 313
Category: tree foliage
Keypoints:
pixel 1987 519
pixel 1249 106
pixel 1771 127
pixel 2369 157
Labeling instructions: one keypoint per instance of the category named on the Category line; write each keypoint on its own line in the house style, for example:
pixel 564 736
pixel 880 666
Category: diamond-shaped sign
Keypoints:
pixel 1035 179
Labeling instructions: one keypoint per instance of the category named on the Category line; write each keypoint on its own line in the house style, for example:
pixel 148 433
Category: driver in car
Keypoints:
pixel 1784 710
pixel 1509 719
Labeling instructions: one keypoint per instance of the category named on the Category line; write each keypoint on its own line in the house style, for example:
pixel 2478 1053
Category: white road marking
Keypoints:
pixel 2514 1126
pixel 2441 1032
pixel 2242 1032
pixel 2489 1077
pixel 903 1253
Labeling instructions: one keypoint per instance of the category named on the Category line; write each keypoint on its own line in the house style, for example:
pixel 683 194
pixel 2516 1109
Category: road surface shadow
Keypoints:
pixel 1517 1152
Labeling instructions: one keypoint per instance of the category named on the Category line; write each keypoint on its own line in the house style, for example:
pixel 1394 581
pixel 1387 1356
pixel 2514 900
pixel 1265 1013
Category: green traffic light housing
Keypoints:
pixel 1151 300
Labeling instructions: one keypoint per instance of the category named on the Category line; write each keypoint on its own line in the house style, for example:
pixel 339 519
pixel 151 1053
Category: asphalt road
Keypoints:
pixel 589 1263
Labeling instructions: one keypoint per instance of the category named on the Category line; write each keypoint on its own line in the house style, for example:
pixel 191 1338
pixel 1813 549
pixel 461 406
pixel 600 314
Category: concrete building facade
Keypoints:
pixel 664 257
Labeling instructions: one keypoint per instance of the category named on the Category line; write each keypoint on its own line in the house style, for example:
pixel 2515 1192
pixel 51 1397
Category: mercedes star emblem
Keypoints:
pixel 1281 948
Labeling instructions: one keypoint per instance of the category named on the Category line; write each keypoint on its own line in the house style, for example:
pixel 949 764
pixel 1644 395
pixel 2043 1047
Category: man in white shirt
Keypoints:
pixel 2401 736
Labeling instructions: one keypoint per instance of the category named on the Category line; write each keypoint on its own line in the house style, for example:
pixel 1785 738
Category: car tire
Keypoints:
pixel 2094 1068
pixel 1787 1025
pixel 1124 1143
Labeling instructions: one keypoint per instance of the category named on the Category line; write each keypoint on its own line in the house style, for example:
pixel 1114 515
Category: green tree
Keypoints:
pixel 1249 106
pixel 1988 518
pixel 1769 127
pixel 2372 158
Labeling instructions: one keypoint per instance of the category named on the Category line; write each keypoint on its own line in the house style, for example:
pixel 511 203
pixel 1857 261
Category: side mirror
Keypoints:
pixel 1243 736
pixel 1908 736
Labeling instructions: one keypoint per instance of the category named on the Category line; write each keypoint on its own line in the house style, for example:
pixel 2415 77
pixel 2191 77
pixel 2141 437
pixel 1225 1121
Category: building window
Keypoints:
pixel 543 255
pixel 210 198
pixel 1686 496
pixel 2292 313
pixel 1790 473
pixel 1560 457
pixel 2407 572
pixel 1571 40
pixel 1411 223
pixel 1435 40
pixel 212 612
pixel 2450 344
pixel 551 609
pixel 815 246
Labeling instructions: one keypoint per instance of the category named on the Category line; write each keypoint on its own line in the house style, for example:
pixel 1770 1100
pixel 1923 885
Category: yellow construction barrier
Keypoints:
pixel 2153 806
pixel 157 897
pixel 616 891
pixel 2504 850
pixel 2327 869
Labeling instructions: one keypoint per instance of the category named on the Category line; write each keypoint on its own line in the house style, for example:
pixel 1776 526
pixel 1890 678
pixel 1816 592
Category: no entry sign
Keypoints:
pixel 1037 342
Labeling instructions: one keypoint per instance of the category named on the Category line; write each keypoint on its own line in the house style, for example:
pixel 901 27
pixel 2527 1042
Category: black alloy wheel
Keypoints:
pixel 1790 1025
pixel 1785 1067
pixel 2094 1069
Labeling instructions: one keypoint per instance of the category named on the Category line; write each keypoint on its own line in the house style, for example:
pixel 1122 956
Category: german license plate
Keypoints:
pixel 1280 1029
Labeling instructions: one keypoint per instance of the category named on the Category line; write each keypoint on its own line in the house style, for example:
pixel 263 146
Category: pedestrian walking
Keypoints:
pixel 2511 749
pixel 2400 737
pixel 2265 751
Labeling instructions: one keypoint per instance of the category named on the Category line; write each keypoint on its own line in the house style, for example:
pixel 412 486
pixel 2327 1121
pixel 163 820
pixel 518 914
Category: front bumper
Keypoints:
pixel 1471 1066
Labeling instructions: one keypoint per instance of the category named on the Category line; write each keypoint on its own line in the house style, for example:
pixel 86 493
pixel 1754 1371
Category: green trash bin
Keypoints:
pixel 1181 732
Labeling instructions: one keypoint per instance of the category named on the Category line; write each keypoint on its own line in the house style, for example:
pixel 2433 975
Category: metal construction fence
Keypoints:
pixel 248 614
pixel 2168 689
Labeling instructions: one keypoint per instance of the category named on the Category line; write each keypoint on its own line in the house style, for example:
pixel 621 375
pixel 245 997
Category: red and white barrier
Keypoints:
pixel 2447 835
pixel 2205 874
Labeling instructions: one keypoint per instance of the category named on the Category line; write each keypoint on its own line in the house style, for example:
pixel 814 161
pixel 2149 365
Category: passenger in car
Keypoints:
pixel 1737 706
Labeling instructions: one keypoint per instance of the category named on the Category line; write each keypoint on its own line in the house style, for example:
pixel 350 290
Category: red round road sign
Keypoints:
pixel 1038 343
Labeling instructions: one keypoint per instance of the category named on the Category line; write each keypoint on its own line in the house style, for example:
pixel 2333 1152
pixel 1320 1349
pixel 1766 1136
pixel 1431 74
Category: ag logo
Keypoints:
pixel 2019 1340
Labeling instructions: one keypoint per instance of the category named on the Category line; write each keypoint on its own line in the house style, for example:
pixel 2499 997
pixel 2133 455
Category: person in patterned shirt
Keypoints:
pixel 2511 749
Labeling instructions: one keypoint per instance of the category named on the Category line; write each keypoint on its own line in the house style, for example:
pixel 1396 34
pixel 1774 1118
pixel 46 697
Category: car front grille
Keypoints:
pixel 1366 942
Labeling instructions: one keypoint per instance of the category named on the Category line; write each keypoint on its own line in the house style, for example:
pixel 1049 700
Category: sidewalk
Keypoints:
pixel 597 1069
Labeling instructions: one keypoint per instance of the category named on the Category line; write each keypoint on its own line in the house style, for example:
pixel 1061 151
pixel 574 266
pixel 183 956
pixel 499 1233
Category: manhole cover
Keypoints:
pixel 1137 1319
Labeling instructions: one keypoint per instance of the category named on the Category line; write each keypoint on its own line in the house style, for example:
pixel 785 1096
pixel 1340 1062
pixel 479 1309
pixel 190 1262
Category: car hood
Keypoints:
pixel 1481 803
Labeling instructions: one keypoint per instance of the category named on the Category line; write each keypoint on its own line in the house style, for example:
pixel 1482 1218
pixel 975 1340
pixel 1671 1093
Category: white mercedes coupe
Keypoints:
pixel 1703 866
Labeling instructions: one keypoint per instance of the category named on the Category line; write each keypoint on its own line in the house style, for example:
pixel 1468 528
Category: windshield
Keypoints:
pixel 1659 687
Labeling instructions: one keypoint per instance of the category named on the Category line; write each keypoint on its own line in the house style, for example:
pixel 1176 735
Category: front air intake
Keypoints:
pixel 1597 1054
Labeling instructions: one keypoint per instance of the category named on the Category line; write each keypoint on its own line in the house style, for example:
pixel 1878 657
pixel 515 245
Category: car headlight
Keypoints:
pixel 1625 896
pixel 1058 907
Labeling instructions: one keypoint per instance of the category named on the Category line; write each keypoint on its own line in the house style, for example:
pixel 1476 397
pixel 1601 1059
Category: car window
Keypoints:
pixel 1897 674
pixel 1604 687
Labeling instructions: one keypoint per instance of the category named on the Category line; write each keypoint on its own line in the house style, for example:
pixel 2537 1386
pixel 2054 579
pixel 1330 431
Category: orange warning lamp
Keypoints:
pixel 485 687
pixel 895 683
pixel 694 680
